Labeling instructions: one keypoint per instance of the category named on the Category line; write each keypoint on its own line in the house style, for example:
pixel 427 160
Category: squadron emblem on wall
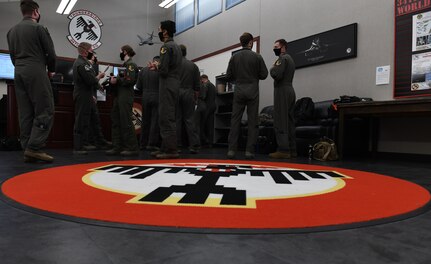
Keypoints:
pixel 85 26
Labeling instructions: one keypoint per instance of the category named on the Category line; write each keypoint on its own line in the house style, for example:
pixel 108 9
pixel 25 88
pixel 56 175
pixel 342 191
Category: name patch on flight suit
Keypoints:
pixel 87 68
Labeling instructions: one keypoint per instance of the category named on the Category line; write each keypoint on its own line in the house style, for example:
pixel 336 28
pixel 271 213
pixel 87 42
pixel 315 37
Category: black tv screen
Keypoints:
pixel 65 67
pixel 6 67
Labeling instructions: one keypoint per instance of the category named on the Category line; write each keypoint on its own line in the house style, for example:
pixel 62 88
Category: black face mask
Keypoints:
pixel 161 36
pixel 122 56
pixel 277 52
pixel 90 55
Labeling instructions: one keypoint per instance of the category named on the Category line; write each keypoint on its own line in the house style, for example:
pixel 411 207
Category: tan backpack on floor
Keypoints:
pixel 324 150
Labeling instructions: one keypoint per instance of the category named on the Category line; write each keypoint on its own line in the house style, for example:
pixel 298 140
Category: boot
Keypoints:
pixel 80 152
pixel 194 150
pixel 152 148
pixel 168 156
pixel 38 155
pixel 128 153
pixel 231 154
pixel 249 155
pixel 112 152
pixel 155 153
pixel 89 147
pixel 280 155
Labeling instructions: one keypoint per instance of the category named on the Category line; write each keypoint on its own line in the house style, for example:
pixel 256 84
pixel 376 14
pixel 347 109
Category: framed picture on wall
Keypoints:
pixel 333 45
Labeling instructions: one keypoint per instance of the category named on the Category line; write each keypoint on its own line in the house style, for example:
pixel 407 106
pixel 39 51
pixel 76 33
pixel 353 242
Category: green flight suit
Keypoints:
pixel 282 72
pixel 148 83
pixel 207 122
pixel 190 83
pixel 123 130
pixel 169 85
pixel 84 79
pixel 245 69
pixel 96 136
pixel 32 52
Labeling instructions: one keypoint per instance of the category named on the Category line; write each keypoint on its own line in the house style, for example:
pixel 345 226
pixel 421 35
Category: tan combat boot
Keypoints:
pixel 280 155
pixel 37 155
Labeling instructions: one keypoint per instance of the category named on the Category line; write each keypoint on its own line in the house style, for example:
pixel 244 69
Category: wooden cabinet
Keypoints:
pixel 223 112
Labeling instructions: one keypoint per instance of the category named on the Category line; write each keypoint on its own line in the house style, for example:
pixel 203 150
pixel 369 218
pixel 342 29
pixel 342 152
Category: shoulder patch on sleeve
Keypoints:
pixel 87 67
pixel 277 62
pixel 163 50
pixel 131 68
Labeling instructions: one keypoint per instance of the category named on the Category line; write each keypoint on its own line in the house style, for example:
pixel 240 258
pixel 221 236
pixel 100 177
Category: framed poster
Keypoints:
pixel 332 45
pixel 421 72
pixel 421 39
pixel 412 73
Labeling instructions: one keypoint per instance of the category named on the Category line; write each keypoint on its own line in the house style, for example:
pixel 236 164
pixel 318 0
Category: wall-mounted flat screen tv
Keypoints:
pixel 6 67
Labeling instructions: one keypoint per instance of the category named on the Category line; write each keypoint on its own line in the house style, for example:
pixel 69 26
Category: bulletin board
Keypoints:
pixel 412 76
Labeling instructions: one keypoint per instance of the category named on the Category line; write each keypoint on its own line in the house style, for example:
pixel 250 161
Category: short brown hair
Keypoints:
pixel 282 42
pixel 83 47
pixel 28 6
pixel 204 76
pixel 129 50
pixel 245 38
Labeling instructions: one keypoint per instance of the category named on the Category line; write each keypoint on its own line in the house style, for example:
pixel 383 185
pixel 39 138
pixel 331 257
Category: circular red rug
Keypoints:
pixel 217 195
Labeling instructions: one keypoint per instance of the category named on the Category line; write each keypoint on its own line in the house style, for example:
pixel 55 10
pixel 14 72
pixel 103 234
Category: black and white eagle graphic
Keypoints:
pixel 87 27
pixel 213 185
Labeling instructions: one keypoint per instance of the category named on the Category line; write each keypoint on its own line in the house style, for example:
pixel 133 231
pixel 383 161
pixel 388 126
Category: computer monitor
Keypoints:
pixel 7 70
pixel 65 67
pixel 115 70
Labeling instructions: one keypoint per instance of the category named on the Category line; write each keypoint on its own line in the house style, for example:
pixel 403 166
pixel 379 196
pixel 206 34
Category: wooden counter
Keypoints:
pixel 376 109
pixel 61 135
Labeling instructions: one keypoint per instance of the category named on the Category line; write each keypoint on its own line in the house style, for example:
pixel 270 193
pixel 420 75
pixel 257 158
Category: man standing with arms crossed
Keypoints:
pixel 32 51
pixel 169 85
pixel 282 72
pixel 245 69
